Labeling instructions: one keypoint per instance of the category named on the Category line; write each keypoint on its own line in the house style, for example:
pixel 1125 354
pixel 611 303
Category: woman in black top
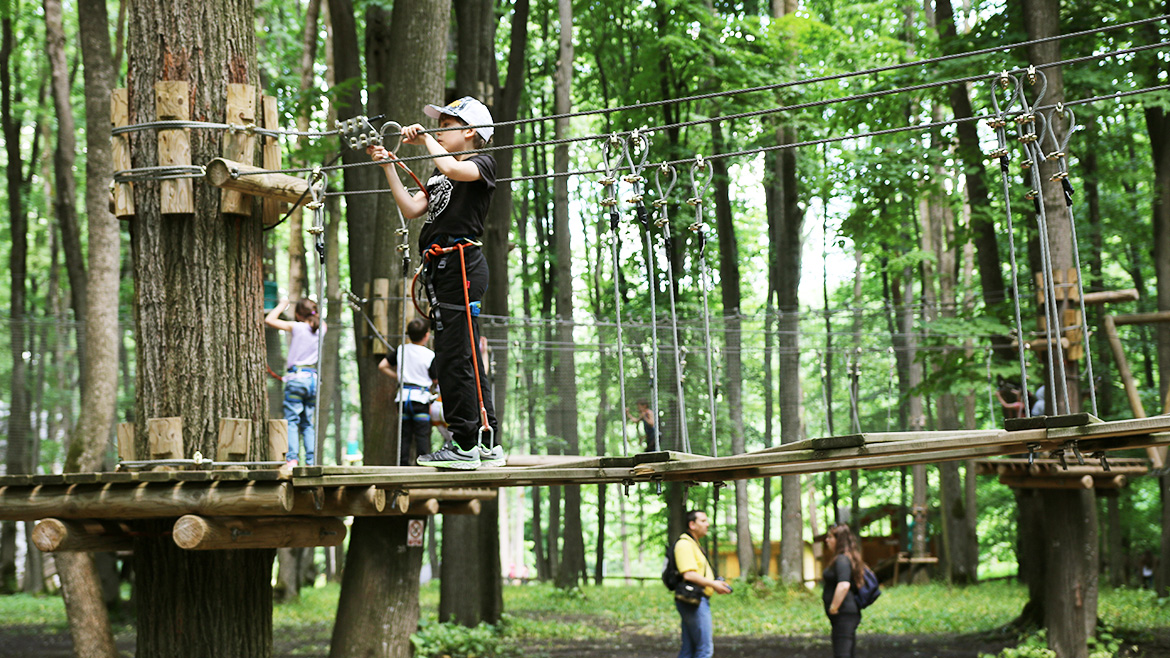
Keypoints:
pixel 843 576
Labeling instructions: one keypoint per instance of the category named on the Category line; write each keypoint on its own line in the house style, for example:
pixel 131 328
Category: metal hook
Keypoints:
pixel 663 195
pixel 699 192
pixel 612 142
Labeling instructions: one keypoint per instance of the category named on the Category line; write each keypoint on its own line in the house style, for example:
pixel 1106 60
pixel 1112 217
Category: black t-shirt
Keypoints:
pixel 457 208
pixel 841 570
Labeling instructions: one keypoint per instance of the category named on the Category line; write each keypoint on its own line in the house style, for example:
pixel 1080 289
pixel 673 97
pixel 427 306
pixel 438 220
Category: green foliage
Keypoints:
pixel 1035 645
pixel 450 640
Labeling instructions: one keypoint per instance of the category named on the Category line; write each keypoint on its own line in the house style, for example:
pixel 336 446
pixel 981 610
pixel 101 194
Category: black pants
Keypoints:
pixel 453 351
pixel 844 633
pixel 416 432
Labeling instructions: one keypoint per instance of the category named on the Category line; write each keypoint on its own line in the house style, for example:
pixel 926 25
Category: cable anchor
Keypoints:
pixel 1032 449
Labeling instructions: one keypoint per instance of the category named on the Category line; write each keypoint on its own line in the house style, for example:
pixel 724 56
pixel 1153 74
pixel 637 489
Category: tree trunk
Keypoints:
pixel 18 415
pixel 63 161
pixel 405 58
pixel 381 593
pixel 1070 539
pixel 84 604
pixel 199 271
pixel 729 282
pixel 572 563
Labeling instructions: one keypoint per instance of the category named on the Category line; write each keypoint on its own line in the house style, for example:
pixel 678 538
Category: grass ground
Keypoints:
pixel 637 621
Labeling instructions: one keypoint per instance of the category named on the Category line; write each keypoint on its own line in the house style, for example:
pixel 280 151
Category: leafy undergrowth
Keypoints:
pixel 542 614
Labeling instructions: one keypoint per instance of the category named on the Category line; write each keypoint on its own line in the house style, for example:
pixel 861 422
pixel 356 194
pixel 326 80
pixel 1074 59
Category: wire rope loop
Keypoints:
pixel 1034 74
pixel 661 202
pixel 1005 81
pixel 635 139
pixel 315 189
pixel 612 143
pixel 698 185
pixel 398 133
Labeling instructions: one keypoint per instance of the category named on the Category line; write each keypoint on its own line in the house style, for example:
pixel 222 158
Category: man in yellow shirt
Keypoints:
pixel 698 639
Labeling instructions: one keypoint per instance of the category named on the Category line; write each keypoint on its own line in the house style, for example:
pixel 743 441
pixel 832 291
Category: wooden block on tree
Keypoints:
pixel 164 437
pixel 172 103
pixel 239 145
pixel 273 210
pixel 57 535
pixel 423 507
pixel 381 312
pixel 123 194
pixel 234 436
pixel 200 533
pixel 339 501
pixel 838 442
pixel 126 450
pixel 277 439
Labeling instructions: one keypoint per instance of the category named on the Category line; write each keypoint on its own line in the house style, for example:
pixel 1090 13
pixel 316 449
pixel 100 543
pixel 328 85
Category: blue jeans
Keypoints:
pixel 300 397
pixel 698 638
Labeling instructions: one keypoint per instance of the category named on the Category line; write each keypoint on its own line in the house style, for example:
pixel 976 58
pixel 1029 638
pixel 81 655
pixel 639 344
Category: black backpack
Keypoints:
pixel 670 575
pixel 869 591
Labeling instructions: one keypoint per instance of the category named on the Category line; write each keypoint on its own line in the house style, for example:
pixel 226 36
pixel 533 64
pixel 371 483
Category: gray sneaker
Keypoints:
pixel 452 456
pixel 493 458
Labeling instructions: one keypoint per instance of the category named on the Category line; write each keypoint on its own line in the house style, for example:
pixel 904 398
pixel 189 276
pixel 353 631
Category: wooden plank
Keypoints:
pixel 120 145
pixel 21 480
pixel 270 158
pixel 1083 482
pixel 1111 296
pixel 201 533
pixel 235 434
pixel 80 478
pixel 164 437
pixel 835 442
pixel 62 535
pixel 244 178
pixel 1141 318
pixel 463 493
pixel 173 103
pixel 126 451
pixel 239 146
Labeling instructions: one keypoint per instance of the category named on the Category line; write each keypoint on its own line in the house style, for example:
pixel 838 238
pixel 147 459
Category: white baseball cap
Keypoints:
pixel 470 110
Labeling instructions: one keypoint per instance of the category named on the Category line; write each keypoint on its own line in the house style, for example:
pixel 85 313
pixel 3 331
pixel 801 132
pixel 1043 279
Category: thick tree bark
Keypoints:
pixel 729 283
pixel 200 342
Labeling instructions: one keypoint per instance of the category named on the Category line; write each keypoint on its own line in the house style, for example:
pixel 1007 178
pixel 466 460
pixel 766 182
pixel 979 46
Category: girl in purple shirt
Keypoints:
pixel 300 380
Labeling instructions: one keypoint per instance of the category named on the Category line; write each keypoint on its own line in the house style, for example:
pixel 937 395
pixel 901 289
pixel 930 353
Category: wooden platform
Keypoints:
pixel 373 490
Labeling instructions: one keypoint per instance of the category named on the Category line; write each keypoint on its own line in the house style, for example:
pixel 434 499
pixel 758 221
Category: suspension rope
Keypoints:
pixel 635 179
pixel 1059 155
pixel 699 189
pixel 663 221
pixel 999 124
pixel 317 230
pixel 612 160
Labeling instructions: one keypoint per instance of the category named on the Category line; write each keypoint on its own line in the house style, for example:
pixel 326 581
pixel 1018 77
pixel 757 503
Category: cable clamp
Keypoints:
pixel 1100 455
pixel 1028 138
pixel 1026 164
pixel 402 247
pixel 402 231
pixel 1031 74
pixel 314 205
pixel 657 204
pixel 996 122
pixel 1004 79
pixel 636 199
pixel 697 227
pixel 609 202
pixel 1025 118
pixel 1055 155
pixel 1032 194
pixel 1058 176
pixel 998 153
pixel 695 201
pixel 634 179
pixel 607 181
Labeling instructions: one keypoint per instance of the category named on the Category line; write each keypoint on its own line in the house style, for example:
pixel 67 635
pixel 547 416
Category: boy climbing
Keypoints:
pixel 454 271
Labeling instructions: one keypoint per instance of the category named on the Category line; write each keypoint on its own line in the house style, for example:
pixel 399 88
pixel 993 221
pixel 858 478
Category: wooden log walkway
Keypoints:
pixel 383 490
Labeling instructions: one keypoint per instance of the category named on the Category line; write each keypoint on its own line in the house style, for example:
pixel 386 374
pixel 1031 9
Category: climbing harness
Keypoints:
pixel 635 179
pixel 662 205
pixel 611 154
pixel 471 310
pixel 699 189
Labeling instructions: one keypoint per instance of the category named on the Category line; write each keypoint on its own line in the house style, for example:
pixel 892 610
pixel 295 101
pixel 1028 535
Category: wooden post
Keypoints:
pixel 381 312
pixel 271 158
pixel 172 103
pixel 225 173
pixel 56 535
pixel 234 436
pixel 277 439
pixel 1156 455
pixel 165 437
pixel 240 145
pixel 119 117
pixel 126 450
pixel 200 533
